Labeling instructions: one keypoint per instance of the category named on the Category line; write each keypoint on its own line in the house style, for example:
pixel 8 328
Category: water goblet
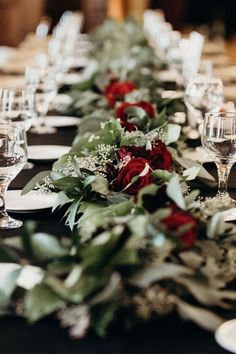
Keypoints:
pixel 219 140
pixel 13 156
pixel 18 106
pixel 203 94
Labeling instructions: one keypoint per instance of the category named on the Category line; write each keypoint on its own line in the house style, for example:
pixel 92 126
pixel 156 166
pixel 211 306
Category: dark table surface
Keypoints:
pixel 165 336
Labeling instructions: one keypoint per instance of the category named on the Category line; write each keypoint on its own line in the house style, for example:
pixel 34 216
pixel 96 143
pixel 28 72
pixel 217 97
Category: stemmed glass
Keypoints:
pixel 13 156
pixel 17 105
pixel 219 140
pixel 203 94
pixel 43 83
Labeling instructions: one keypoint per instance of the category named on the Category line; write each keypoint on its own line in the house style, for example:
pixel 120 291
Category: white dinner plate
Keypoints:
pixel 198 154
pixel 61 121
pixel 230 215
pixel 171 94
pixel 226 335
pixel 167 76
pixel 47 152
pixel 62 99
pixel 30 202
pixel 73 79
pixel 80 61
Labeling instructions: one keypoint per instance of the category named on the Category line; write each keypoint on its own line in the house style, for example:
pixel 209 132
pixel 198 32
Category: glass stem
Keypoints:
pixel 223 175
pixel 3 189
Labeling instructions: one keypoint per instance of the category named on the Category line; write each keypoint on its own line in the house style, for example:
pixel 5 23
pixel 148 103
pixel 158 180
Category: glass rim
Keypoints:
pixel 205 78
pixel 231 114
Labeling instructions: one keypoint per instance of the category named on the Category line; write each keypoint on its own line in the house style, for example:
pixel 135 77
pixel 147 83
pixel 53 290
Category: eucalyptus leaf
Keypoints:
pixel 8 282
pixel 159 120
pixel 172 133
pixel 46 247
pixel 207 294
pixel 174 192
pixel 216 226
pixel 202 317
pixel 100 185
pixel 109 291
pixel 203 174
pixel 152 274
pixel 162 175
pixel 191 173
pixel 41 301
pixel 38 179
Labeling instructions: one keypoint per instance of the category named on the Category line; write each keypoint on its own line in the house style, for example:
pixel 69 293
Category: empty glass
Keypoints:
pixel 13 156
pixel 203 94
pixel 42 81
pixel 18 106
pixel 219 140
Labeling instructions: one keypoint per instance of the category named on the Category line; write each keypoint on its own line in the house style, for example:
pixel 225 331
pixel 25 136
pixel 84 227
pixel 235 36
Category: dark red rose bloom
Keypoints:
pixel 120 113
pixel 179 218
pixel 159 157
pixel 133 168
pixel 117 90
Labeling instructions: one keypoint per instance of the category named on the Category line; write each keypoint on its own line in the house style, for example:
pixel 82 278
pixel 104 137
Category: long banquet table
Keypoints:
pixel 167 335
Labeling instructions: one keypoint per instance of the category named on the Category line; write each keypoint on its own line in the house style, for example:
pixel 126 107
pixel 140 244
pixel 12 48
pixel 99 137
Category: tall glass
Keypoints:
pixel 219 140
pixel 17 105
pixel 44 84
pixel 203 94
pixel 13 156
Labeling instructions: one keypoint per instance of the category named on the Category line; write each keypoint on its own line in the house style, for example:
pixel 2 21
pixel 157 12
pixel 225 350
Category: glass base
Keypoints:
pixel 220 202
pixel 43 130
pixel 28 166
pixel 6 222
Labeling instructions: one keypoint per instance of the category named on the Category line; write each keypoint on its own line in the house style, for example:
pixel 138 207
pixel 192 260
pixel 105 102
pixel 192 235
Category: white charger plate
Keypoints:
pixel 199 154
pixel 225 335
pixel 61 121
pixel 47 152
pixel 30 202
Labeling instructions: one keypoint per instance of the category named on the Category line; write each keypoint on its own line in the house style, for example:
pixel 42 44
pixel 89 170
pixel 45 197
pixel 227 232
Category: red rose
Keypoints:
pixel 159 157
pixel 132 169
pixel 120 113
pixel 147 107
pixel 179 218
pixel 117 90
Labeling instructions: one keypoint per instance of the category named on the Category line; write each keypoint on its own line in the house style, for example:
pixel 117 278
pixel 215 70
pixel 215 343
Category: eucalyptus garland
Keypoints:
pixel 142 244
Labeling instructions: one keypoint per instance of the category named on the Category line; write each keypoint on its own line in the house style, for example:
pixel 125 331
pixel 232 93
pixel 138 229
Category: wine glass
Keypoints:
pixel 13 156
pixel 42 81
pixel 203 94
pixel 219 140
pixel 18 106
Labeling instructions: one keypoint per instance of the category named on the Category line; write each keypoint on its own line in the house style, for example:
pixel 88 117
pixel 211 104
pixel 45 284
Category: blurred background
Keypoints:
pixel 213 17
